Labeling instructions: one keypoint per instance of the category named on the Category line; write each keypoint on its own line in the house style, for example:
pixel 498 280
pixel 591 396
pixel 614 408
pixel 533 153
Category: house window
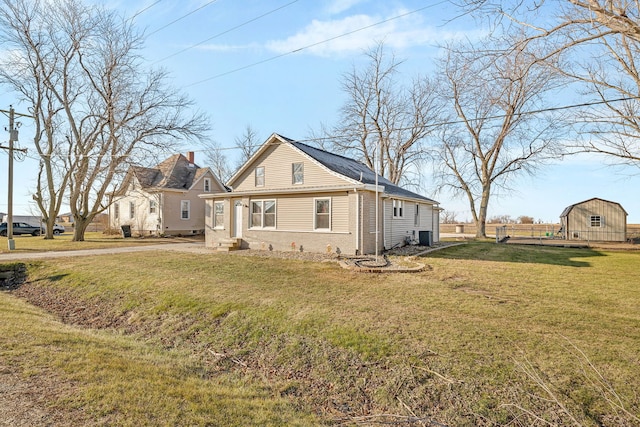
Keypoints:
pixel 416 219
pixel 398 208
pixel 260 176
pixel 322 215
pixel 132 210
pixel 116 210
pixel 207 185
pixel 218 215
pixel 185 209
pixel 595 221
pixel 263 213
pixel 153 207
pixel 297 173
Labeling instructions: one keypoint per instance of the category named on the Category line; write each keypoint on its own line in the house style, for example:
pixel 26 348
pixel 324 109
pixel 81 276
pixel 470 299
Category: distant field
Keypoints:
pixel 525 230
pixel 490 335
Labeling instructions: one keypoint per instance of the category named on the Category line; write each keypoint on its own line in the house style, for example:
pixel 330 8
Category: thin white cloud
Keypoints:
pixel 356 33
pixel 338 6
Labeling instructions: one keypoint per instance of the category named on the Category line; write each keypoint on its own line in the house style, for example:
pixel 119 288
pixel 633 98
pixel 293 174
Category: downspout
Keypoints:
pixel 358 222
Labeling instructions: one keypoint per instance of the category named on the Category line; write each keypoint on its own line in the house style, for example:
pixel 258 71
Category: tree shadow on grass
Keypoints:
pixel 552 255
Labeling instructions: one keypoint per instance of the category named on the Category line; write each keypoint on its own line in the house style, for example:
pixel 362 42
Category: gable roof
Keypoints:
pixel 175 173
pixel 568 209
pixel 349 168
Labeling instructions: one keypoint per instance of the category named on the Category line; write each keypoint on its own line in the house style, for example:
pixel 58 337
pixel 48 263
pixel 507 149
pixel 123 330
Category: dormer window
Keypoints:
pixel 297 173
pixel 260 176
pixel 207 185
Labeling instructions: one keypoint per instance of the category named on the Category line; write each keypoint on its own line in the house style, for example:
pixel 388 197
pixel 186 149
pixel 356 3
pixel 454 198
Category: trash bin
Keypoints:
pixel 425 238
pixel 459 229
pixel 126 230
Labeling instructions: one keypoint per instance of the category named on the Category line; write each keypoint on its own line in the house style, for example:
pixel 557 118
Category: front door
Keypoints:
pixel 237 219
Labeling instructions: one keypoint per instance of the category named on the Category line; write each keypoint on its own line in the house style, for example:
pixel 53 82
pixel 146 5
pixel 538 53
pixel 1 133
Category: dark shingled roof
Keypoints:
pixel 354 169
pixel 176 173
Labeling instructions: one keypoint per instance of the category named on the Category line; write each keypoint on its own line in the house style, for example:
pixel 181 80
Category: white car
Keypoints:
pixel 57 229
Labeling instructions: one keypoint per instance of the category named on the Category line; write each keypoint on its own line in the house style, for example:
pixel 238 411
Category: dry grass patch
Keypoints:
pixel 470 342
pixel 93 240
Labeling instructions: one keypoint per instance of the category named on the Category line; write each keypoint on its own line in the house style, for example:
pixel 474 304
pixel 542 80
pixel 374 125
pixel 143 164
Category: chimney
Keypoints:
pixel 190 156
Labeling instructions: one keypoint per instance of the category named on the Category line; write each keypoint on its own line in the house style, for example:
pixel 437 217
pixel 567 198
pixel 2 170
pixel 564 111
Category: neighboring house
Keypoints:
pixel 594 219
pixel 291 196
pixel 164 200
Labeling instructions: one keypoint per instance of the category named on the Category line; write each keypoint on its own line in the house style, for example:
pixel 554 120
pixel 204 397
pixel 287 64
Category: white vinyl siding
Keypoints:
pixel 277 160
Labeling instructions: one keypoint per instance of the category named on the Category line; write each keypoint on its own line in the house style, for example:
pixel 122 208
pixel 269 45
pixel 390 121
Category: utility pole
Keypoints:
pixel 13 136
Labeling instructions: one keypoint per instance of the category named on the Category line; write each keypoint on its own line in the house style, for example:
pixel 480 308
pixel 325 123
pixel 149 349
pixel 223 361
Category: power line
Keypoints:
pixel 384 21
pixel 144 10
pixel 181 18
pixel 227 31
pixel 445 123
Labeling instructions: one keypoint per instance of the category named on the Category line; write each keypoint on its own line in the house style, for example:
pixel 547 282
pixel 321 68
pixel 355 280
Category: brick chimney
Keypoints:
pixel 190 157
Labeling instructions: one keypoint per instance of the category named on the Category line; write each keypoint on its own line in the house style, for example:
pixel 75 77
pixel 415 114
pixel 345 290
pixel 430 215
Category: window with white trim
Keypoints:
pixel 263 213
pixel 398 208
pixel 322 214
pixel 185 209
pixel 259 176
pixel 595 221
pixel 207 185
pixel 297 173
pixel 416 218
pixel 153 207
pixel 132 210
pixel 116 210
pixel 218 215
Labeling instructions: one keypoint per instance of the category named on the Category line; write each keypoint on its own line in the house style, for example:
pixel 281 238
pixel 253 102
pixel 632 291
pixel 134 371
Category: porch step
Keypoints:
pixel 226 245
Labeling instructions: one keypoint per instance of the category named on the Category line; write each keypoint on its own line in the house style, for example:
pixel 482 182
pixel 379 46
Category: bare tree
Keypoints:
pixel 97 108
pixel 489 88
pixel 218 161
pixel 247 143
pixel 382 122
pixel 602 39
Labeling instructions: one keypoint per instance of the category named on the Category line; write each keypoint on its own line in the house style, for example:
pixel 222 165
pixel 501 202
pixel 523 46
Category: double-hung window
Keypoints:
pixel 259 176
pixel 322 216
pixel 297 173
pixel 153 207
pixel 116 210
pixel 263 213
pixel 416 218
pixel 185 209
pixel 207 185
pixel 398 208
pixel 132 210
pixel 218 215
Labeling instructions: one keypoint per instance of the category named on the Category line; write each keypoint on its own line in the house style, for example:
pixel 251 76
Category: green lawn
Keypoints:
pixel 489 335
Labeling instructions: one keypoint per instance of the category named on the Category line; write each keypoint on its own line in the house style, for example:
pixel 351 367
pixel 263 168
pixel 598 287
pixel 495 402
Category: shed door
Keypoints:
pixel 237 219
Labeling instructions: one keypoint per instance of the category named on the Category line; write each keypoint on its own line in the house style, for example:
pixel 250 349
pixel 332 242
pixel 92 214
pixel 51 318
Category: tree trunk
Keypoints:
pixel 481 221
pixel 80 227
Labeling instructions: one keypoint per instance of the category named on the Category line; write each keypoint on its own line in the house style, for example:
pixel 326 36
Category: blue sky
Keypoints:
pixel 276 65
